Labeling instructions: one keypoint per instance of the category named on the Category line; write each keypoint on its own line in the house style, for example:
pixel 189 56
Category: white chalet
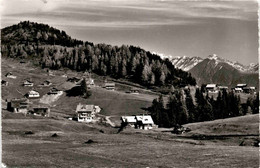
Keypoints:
pixel 144 122
pixel 85 112
pixel 33 94
pixel 10 75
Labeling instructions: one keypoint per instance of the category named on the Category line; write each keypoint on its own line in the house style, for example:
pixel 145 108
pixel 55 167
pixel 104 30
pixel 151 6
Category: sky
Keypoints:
pixel 170 27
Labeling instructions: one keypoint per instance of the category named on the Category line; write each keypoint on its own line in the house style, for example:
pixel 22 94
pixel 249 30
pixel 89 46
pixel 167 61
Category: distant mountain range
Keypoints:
pixel 214 69
pixel 186 63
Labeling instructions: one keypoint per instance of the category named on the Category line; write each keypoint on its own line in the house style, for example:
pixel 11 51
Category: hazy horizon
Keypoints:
pixel 228 29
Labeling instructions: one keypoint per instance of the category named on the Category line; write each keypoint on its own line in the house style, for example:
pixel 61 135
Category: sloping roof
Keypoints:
pixel 223 87
pixel 211 85
pixel 241 84
pixel 145 119
pixel 85 107
pixel 129 119
pixel 8 73
pixel 27 82
pixel 110 84
pixel 16 103
pixel 33 92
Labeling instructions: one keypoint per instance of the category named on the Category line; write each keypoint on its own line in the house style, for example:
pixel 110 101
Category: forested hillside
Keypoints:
pixel 54 49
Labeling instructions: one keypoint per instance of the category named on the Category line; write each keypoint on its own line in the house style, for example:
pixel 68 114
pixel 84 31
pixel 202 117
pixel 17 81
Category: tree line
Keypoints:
pixel 181 108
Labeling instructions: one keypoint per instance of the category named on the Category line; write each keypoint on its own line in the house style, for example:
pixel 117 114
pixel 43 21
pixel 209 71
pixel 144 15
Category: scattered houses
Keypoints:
pixel 85 112
pixel 18 105
pixel 28 83
pixel 41 111
pixel 4 83
pixel 10 75
pixel 33 94
pixel 110 86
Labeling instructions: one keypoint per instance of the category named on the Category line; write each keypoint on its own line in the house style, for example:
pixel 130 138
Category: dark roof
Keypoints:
pixel 16 103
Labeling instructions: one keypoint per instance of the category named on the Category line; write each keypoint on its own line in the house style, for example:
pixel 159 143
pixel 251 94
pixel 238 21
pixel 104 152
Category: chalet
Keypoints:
pixel 46 83
pixel 110 86
pixel 41 111
pixel 85 112
pixel 249 89
pixel 28 83
pixel 18 105
pixel 128 121
pixel 10 75
pixel 211 88
pixel 33 94
pixel 238 90
pixel 55 91
pixel 4 83
pixel 241 86
pixel 144 122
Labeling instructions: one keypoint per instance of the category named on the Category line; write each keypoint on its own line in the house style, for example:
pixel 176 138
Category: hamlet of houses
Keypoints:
pixel 240 88
pixel 85 113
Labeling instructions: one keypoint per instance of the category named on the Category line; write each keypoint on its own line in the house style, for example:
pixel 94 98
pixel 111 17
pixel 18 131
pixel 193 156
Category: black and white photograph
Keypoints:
pixel 129 83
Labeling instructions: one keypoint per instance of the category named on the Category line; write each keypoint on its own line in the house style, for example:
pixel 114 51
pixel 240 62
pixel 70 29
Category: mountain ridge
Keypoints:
pixel 51 48
pixel 187 63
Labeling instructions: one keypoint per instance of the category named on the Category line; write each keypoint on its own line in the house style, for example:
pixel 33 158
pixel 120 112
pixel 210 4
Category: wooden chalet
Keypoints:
pixel 144 122
pixel 18 105
pixel 41 111
pixel 10 75
pixel 28 83
pixel 85 112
